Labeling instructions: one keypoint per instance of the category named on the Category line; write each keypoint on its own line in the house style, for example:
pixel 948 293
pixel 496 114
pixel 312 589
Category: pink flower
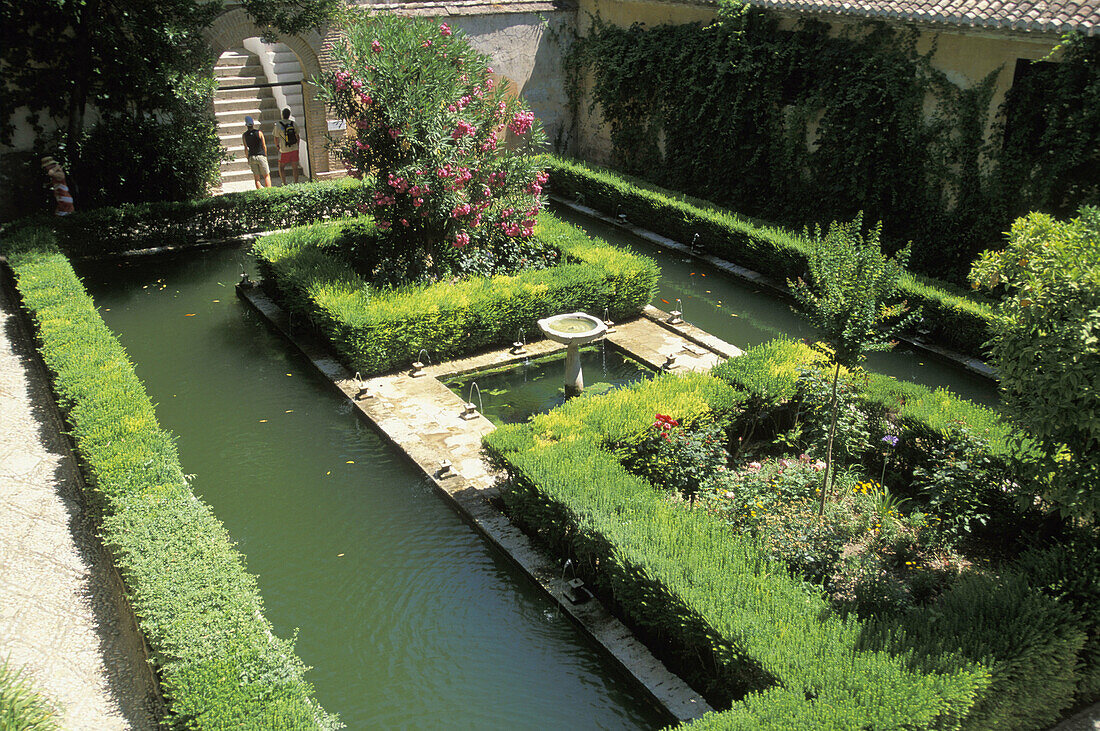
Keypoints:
pixel 754 466
pixel 521 123
pixel 464 128
pixel 427 43
pixel 395 133
pixel 375 47
pixel 461 239
pixel 404 223
pixel 366 99
pixel 462 210
pixel 444 30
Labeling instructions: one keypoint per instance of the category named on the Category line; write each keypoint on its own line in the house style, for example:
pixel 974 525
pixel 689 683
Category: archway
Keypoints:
pixel 259 80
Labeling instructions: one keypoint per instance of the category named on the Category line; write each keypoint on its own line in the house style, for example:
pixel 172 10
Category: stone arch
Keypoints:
pixel 230 29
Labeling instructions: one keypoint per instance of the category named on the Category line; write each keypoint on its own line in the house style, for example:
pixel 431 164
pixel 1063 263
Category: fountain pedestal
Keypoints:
pixel 573 330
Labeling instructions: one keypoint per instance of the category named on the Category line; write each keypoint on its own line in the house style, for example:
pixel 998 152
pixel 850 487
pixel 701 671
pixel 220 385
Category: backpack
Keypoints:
pixel 291 133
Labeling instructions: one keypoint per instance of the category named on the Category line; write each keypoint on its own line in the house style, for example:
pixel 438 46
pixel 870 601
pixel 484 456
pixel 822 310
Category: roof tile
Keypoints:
pixel 1053 16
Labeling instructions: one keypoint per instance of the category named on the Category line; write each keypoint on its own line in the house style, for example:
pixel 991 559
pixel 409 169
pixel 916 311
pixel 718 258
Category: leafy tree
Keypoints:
pixel 1046 345
pixel 848 299
pixel 291 17
pixel 142 68
pixel 445 143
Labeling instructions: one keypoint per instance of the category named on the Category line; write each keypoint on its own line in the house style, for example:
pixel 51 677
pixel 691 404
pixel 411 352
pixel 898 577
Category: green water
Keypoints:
pixel 745 315
pixel 509 396
pixel 408 618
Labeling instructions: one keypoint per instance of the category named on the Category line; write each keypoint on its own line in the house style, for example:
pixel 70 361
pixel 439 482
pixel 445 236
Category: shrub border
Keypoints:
pixel 377 332
pixel 213 651
pixel 957 320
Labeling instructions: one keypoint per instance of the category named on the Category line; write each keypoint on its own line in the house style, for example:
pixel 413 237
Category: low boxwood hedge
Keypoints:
pixel 99 231
pixel 377 331
pixel 741 628
pixel 219 664
pixel 956 318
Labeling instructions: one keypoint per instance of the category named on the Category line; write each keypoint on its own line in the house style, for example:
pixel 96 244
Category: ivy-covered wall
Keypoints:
pixel 806 122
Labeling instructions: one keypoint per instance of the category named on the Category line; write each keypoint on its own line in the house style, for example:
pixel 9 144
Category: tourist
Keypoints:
pixel 286 139
pixel 256 148
pixel 61 193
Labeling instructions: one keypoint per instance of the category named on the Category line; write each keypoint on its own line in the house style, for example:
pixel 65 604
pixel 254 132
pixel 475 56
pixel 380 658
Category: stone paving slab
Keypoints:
pixel 62 618
pixel 423 418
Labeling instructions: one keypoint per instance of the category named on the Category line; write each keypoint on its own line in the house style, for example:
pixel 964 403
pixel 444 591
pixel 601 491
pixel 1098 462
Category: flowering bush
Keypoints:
pixel 867 554
pixel 428 122
pixel 680 459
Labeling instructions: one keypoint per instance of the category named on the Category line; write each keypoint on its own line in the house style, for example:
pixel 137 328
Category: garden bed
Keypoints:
pixel 714 553
pixel 377 330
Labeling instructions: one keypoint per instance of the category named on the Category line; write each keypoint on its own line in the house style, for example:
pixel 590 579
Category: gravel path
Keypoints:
pixel 60 614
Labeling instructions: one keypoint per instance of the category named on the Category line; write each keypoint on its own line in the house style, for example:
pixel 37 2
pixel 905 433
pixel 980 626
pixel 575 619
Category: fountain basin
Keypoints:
pixel 575 328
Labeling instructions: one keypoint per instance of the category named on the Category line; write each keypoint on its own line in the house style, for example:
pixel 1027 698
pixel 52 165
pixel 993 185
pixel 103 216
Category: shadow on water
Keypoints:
pixel 407 617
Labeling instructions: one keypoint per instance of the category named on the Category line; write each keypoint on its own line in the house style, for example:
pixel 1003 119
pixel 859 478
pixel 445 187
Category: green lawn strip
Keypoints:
pixel 957 319
pixel 377 331
pixel 109 230
pixel 219 664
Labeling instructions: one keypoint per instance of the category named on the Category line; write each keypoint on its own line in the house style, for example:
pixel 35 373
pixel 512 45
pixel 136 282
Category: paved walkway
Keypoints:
pixel 60 620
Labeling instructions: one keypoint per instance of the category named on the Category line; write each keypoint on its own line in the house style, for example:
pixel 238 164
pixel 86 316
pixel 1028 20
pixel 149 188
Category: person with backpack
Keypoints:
pixel 287 139
pixel 256 148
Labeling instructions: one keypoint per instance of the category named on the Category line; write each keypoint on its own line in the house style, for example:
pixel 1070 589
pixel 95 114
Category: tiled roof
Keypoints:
pixel 1052 16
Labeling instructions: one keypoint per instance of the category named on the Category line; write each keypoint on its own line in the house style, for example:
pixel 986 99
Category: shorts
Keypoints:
pixel 259 165
pixel 288 156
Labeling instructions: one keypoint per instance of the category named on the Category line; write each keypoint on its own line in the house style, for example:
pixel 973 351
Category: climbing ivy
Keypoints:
pixel 806 125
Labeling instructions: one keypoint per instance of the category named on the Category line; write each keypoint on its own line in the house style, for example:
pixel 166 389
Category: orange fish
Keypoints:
pixel 666 302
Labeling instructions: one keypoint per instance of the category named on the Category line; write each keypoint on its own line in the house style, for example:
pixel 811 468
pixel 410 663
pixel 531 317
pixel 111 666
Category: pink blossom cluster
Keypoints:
pixel 490 142
pixel 535 188
pixel 461 239
pixel 395 132
pixel 427 43
pixel 362 145
pixel 342 80
pixel 444 30
pixel 497 178
pixel 375 47
pixel 464 128
pixel 521 123
pixel 397 183
pixel 460 211
pixel 524 227
pixel 383 200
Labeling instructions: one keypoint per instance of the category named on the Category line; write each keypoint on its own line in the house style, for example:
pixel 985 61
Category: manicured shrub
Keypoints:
pixel 951 315
pixel 218 662
pixel 112 230
pixel 1029 642
pixel 376 331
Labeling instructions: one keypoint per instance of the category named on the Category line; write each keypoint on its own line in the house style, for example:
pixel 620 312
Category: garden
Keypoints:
pixel 807 543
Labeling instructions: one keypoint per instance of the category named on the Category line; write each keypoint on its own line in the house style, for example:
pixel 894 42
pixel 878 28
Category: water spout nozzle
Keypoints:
pixel 670 362
pixel 361 392
pixel 417 369
pixel 469 411
pixel 607 321
pixel 446 469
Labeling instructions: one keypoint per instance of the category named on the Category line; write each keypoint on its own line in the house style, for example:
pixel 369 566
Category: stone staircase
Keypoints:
pixel 257 63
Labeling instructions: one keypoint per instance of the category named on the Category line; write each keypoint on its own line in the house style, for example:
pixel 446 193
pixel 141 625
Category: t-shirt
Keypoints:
pixel 280 133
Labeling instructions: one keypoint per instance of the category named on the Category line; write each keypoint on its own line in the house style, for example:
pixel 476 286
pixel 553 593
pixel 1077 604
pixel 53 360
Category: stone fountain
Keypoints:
pixel 573 330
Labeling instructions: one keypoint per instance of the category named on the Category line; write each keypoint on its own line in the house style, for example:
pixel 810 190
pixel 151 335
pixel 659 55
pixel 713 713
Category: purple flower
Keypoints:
pixel 891 440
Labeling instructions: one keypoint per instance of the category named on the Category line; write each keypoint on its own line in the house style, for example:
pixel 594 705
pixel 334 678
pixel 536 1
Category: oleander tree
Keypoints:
pixel 850 296
pixel 446 146
pixel 1046 346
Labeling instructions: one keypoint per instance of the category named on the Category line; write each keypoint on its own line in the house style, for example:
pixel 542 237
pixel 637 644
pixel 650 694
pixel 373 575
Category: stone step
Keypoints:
pixel 267 106
pixel 241 166
pixel 233 94
pixel 242 105
pixel 229 72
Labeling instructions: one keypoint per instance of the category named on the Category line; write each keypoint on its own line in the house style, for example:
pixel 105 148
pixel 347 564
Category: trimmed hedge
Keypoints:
pixel 99 231
pixel 377 331
pixel 992 653
pixel 956 318
pixel 218 662
pixel 736 625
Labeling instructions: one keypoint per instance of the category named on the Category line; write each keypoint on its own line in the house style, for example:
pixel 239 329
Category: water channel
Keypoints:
pixel 744 315
pixel 407 617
